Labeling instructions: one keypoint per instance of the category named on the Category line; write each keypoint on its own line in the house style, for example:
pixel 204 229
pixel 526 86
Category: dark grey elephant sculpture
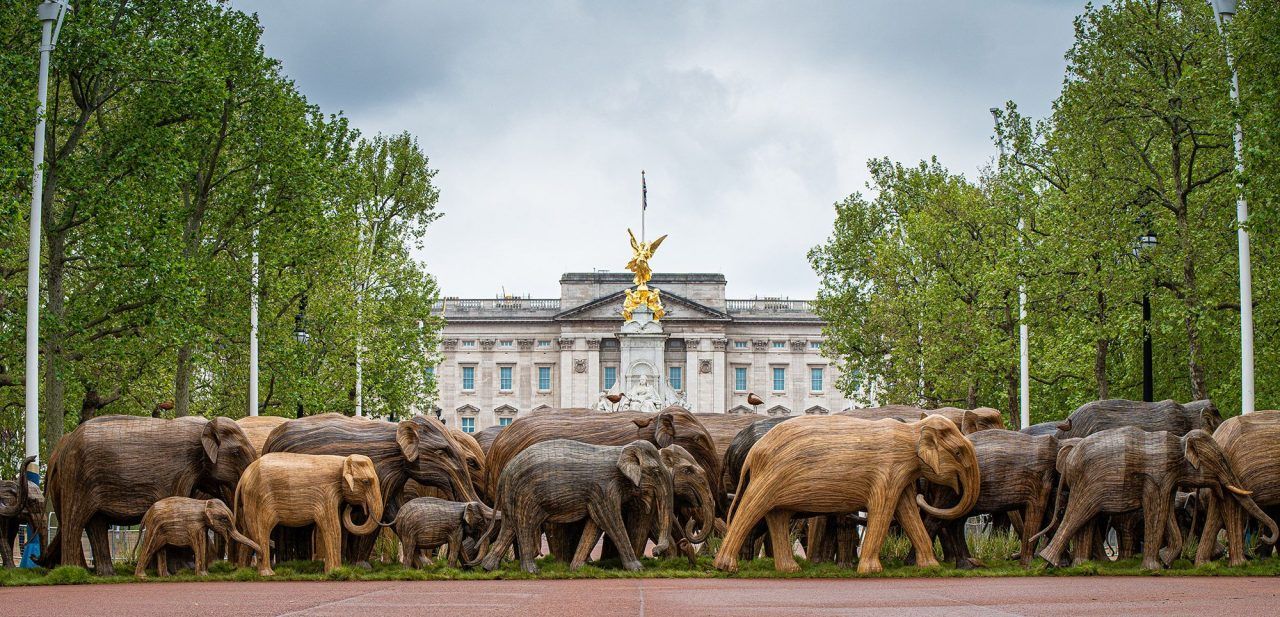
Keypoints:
pixel 1167 415
pixel 426 523
pixel 1018 475
pixel 564 481
pixel 21 502
pixel 1128 469
pixel 111 469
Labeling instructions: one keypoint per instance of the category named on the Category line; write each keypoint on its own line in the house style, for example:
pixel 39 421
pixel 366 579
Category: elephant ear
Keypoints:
pixel 927 448
pixel 472 516
pixel 212 510
pixel 349 473
pixel 969 422
pixel 1065 425
pixel 665 434
pixel 211 441
pixel 629 463
pixel 407 439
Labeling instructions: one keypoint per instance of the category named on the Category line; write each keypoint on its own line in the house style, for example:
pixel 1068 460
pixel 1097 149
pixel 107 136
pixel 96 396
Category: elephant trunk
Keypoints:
pixel 371 523
pixel 20 503
pixel 666 508
pixel 969 485
pixel 706 517
pixel 234 534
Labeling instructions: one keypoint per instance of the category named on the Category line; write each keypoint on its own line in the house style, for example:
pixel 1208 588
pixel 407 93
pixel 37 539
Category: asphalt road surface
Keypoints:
pixel 1199 596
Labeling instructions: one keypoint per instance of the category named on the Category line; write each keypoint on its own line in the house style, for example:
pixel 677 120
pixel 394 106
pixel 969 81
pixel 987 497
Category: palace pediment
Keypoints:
pixel 609 308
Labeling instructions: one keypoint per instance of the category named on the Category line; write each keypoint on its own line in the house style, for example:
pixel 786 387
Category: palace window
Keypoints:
pixel 779 379
pixel 468 378
pixel 815 345
pixel 468 343
pixel 815 379
pixel 431 375
pixel 468 424
pixel 740 378
pixel 544 344
pixel 503 421
pixel 674 377
pixel 506 343
pixel 779 344
pixel 544 378
pixel 504 378
pixel 610 376
pixel 739 344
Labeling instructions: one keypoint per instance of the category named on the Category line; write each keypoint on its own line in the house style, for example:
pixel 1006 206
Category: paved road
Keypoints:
pixel 1201 597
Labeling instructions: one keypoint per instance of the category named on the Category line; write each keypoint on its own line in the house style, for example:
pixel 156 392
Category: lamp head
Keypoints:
pixel 1224 7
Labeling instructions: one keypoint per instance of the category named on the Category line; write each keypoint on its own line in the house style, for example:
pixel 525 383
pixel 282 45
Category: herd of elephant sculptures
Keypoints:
pixel 324 487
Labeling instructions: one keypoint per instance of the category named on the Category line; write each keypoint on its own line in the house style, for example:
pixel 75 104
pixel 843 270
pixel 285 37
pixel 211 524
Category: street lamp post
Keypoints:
pixel 1225 10
pixel 301 335
pixel 50 13
pixel 1146 241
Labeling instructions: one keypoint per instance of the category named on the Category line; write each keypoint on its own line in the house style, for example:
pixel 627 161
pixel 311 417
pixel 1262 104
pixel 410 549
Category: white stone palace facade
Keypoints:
pixel 500 358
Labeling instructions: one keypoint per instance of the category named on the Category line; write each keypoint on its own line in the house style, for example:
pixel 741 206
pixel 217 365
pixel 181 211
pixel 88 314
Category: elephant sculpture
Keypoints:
pixel 475 458
pixel 1042 428
pixel 1125 469
pixel 1168 416
pixel 486 436
pixel 182 521
pixel 693 499
pixel 734 458
pixel 1018 475
pixel 969 420
pixel 564 481
pixel 295 490
pixel 723 427
pixel 21 502
pixel 111 469
pixel 837 464
pixel 258 428
pixel 427 523
pixel 420 448
pixel 1250 444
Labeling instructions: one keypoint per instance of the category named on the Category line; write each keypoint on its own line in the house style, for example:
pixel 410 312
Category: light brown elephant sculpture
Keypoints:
pixel 1250 444
pixel 839 464
pixel 283 488
pixel 182 521
pixel 258 428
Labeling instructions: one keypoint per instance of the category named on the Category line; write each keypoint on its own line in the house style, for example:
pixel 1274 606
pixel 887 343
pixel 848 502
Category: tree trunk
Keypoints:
pixel 182 382
pixel 54 408
pixel 1100 368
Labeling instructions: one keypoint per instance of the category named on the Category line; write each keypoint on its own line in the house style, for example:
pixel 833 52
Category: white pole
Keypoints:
pixel 48 13
pixel 253 331
pixel 1024 349
pixel 360 318
pixel 1224 11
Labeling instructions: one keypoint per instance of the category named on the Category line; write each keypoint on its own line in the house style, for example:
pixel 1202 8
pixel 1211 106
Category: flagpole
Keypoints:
pixel 644 203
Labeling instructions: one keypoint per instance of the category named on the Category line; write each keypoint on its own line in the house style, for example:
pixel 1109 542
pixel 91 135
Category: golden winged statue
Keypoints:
pixel 639 264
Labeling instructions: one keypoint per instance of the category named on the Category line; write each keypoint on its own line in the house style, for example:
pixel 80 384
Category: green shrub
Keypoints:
pixel 68 575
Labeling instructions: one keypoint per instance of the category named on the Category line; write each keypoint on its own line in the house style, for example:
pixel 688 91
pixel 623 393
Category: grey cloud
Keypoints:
pixel 750 117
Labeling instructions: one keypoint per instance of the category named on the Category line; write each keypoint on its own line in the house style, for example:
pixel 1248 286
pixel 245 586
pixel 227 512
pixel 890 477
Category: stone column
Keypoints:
pixel 448 381
pixel 691 373
pixel 721 389
pixel 526 370
pixel 799 377
pixel 487 388
pixel 566 371
pixel 593 373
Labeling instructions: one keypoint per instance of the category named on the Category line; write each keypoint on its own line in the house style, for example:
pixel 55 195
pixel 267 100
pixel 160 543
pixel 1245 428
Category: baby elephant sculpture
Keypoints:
pixel 21 501
pixel 565 481
pixel 295 490
pixel 181 521
pixel 427 522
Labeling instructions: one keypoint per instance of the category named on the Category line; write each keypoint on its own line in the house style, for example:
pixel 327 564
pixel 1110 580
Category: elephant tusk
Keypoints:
pixel 1239 491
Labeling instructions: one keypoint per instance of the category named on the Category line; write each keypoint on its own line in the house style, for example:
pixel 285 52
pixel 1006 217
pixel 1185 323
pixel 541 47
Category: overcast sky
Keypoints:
pixel 751 119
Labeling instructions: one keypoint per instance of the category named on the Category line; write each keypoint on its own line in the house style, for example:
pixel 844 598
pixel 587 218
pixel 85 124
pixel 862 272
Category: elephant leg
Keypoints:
pixel 200 545
pixel 779 522
pixel 1073 520
pixel 455 548
pixel 500 546
pixel 1233 517
pixel 1086 540
pixel 1126 527
pixel 590 535
pixel 1017 522
pixel 162 560
pixel 846 541
pixel 6 550
pixel 908 516
pixel 262 535
pixel 329 539
pixel 408 552
pixel 145 553
pixel 817 529
pixel 609 518
pixel 1209 531
pixel 1155 514
pixel 955 546
pixel 101 546
pixel 1173 537
pixel 529 541
pixel 69 539
pixel 878 518
pixel 1029 523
